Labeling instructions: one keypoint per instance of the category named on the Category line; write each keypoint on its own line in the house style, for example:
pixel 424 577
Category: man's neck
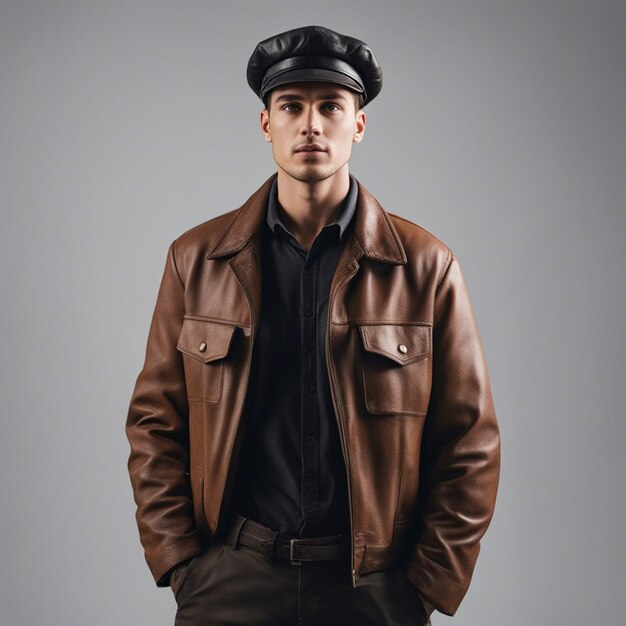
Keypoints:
pixel 305 208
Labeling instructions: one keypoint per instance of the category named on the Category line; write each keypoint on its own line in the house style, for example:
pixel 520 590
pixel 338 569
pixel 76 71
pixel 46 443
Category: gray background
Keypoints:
pixel 501 128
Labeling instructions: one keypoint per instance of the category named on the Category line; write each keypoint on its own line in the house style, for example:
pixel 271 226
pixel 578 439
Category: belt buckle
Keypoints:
pixel 292 560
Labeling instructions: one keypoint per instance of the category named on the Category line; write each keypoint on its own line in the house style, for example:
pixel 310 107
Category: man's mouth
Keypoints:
pixel 310 147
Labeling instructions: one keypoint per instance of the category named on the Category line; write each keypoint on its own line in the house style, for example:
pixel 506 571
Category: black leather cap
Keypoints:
pixel 314 53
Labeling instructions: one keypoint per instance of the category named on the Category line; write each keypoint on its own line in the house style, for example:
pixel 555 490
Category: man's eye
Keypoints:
pixel 294 107
pixel 331 106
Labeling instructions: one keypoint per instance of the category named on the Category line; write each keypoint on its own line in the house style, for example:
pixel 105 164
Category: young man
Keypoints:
pixel 313 436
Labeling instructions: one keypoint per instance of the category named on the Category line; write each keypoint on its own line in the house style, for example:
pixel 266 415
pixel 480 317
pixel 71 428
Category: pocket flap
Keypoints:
pixel 205 340
pixel 403 343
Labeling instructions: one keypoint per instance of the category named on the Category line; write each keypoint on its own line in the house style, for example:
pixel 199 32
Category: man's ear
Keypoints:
pixel 359 126
pixel 265 125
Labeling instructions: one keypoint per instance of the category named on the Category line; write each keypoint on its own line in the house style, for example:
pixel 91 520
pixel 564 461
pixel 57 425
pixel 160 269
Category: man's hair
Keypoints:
pixel 358 100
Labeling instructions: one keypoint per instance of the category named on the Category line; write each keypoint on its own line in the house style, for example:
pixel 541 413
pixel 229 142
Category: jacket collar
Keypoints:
pixel 373 230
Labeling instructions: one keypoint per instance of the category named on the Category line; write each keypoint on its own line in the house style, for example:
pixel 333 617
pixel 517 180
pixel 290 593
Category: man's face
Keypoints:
pixel 312 127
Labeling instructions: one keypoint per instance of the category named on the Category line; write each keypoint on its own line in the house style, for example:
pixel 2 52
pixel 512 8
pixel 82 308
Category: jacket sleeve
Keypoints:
pixel 157 430
pixel 460 458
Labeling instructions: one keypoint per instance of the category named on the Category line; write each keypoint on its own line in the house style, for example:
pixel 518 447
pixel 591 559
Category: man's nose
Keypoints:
pixel 311 125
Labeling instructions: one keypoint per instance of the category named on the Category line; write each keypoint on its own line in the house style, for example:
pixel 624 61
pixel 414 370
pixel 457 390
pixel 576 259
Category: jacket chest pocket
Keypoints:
pixel 396 367
pixel 206 343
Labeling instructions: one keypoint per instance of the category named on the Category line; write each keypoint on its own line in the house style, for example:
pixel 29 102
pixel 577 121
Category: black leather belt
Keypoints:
pixel 282 547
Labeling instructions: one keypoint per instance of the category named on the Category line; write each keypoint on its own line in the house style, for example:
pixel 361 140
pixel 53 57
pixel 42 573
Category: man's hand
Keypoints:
pixel 427 606
pixel 423 605
pixel 178 575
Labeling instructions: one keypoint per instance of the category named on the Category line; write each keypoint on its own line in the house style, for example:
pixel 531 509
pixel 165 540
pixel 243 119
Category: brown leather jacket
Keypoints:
pixel 409 385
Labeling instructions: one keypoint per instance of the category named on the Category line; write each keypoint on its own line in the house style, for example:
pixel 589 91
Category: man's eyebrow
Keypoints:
pixel 295 96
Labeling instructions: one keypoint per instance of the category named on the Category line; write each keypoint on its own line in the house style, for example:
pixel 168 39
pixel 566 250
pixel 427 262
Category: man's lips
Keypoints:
pixel 310 147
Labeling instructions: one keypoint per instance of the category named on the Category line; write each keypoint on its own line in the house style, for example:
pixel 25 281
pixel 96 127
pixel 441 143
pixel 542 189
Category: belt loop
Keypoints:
pixel 235 531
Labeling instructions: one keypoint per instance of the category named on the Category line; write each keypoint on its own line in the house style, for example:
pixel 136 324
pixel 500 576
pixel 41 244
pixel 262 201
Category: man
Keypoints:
pixel 313 436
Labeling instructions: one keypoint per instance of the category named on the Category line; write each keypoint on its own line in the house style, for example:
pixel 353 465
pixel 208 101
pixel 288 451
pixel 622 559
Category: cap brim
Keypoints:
pixel 311 74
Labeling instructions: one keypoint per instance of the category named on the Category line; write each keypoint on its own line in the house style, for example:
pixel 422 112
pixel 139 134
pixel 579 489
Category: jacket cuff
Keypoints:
pixel 161 566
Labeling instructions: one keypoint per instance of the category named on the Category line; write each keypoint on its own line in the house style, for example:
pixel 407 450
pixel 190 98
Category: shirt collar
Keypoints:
pixel 347 211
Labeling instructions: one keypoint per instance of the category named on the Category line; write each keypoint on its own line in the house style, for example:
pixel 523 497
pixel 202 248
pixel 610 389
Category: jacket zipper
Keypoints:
pixel 339 421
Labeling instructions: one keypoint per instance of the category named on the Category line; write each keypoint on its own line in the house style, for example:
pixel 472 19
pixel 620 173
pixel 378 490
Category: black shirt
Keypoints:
pixel 292 476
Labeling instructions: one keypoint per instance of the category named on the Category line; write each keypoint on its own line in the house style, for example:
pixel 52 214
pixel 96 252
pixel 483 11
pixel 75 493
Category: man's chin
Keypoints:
pixel 309 175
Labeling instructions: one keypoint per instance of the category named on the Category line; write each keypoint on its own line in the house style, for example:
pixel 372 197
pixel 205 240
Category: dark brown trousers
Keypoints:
pixel 240 586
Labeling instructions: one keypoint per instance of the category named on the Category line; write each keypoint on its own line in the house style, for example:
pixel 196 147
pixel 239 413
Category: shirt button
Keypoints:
pixel 402 348
pixel 202 347
pixel 308 312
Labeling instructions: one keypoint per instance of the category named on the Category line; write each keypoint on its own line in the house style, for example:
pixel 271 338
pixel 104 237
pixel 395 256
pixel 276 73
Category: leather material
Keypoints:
pixel 314 53
pixel 311 68
pixel 409 384
pixel 273 544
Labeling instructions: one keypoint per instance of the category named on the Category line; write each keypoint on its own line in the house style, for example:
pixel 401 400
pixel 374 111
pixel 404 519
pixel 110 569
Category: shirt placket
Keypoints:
pixel 310 410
